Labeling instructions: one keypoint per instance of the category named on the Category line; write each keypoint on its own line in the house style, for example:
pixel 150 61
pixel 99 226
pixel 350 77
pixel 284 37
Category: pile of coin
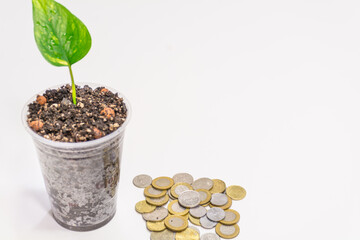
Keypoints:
pixel 204 202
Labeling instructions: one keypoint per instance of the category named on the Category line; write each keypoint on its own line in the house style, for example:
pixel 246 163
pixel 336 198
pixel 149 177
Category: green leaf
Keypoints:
pixel 60 36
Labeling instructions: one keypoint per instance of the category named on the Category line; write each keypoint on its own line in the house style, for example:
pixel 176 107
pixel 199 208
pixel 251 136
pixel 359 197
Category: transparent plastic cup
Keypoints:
pixel 81 178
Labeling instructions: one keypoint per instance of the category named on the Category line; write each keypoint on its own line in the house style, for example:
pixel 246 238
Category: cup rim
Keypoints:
pixel 86 144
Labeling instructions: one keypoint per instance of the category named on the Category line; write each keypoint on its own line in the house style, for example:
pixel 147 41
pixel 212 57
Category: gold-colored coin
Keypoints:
pixel 176 223
pixel 195 221
pixel 176 209
pixel 187 234
pixel 224 207
pixel 162 183
pixel 219 186
pixel 195 228
pixel 236 192
pixel 231 217
pixel 166 234
pixel 178 188
pixel 155 226
pixel 144 207
pixel 149 191
pixel 205 196
pixel 227 231
pixel 206 204
pixel 158 201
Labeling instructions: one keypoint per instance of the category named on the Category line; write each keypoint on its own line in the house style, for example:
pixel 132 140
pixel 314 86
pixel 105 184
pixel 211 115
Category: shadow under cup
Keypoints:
pixel 81 178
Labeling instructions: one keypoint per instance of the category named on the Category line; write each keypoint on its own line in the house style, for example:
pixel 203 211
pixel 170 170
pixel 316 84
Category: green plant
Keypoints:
pixel 60 36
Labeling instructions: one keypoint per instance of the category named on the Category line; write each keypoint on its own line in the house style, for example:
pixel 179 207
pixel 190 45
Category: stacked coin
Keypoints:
pixel 204 202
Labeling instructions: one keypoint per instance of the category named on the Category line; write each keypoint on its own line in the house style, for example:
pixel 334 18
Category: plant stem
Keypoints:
pixel 72 85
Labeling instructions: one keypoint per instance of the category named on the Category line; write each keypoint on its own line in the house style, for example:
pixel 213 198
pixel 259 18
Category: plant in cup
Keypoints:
pixel 80 175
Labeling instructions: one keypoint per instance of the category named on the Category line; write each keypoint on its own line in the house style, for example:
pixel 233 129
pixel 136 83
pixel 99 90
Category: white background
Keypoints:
pixel 264 94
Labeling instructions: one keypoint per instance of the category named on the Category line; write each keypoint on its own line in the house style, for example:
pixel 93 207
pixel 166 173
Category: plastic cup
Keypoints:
pixel 81 178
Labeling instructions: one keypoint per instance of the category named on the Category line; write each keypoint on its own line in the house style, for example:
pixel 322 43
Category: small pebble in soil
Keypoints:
pixel 66 101
pixel 108 112
pixel 36 125
pixel 41 100
pixel 97 133
pixel 98 112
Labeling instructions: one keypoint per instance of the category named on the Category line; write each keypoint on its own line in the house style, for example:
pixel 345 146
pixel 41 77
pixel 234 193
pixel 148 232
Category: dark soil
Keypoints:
pixel 97 113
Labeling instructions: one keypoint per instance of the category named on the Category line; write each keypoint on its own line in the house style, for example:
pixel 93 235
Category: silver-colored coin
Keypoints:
pixel 207 223
pixel 142 181
pixel 203 183
pixel 180 189
pixel 209 236
pixel 170 196
pixel 183 177
pixel 159 214
pixel 164 235
pixel 219 199
pixel 215 214
pixel 198 211
pixel 189 199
